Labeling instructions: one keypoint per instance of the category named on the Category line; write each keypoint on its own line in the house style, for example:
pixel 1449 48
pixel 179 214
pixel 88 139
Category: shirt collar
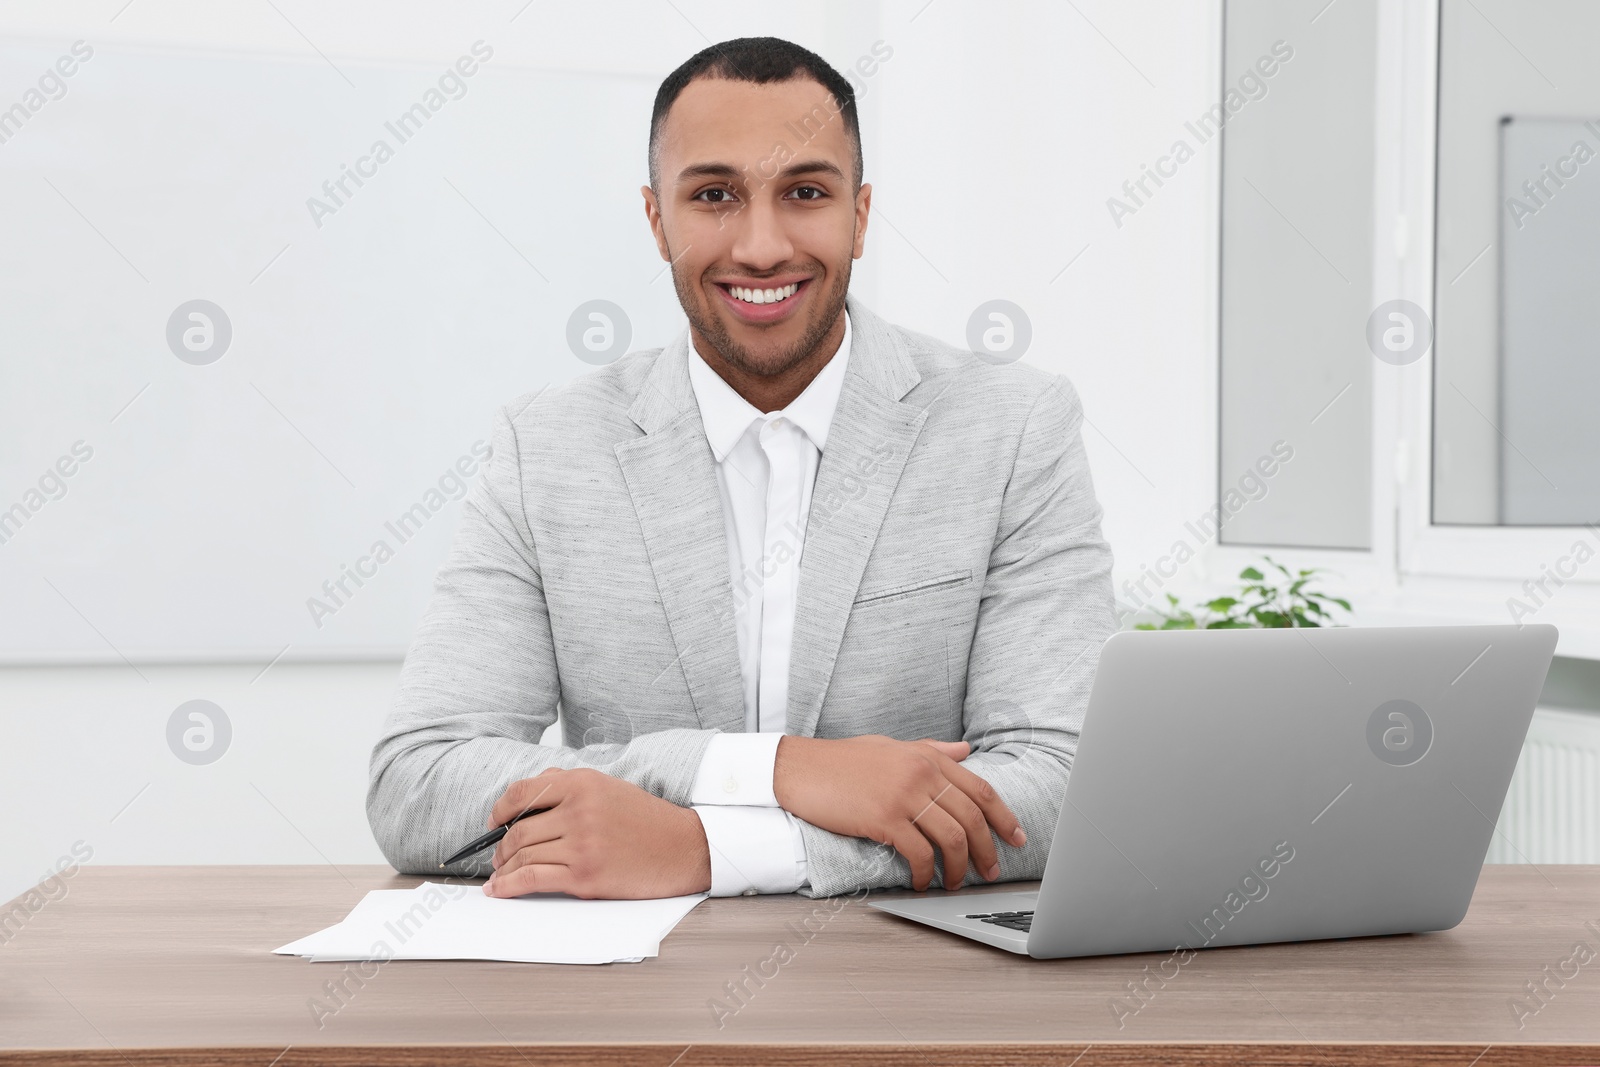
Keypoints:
pixel 726 415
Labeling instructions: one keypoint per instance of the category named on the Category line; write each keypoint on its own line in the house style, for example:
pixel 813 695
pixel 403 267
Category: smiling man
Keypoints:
pixel 818 599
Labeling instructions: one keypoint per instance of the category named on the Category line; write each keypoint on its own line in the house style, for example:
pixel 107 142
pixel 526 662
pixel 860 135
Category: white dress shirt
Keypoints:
pixel 766 468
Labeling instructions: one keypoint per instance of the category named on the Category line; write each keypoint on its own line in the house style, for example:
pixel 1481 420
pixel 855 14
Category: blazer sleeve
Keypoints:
pixel 480 686
pixel 1045 611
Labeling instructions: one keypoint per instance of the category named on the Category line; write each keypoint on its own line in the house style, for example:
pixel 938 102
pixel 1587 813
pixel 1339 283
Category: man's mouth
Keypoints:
pixel 763 296
pixel 764 304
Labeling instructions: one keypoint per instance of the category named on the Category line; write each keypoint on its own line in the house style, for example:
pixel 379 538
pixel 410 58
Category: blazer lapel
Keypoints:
pixel 869 440
pixel 672 477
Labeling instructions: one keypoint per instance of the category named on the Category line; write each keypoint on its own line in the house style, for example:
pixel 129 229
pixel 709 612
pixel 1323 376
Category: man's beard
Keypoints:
pixel 711 327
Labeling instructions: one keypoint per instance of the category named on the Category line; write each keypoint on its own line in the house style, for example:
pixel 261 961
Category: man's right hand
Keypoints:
pixel 912 795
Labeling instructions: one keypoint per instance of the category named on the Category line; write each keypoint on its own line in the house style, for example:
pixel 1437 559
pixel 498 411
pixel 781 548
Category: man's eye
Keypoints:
pixel 724 196
pixel 810 189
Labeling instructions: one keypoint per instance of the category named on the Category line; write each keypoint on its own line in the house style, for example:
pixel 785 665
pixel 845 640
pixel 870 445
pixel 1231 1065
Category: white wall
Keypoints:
pixel 87 760
pixel 993 138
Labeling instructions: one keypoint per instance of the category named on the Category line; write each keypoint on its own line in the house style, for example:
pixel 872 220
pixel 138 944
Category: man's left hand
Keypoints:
pixel 602 838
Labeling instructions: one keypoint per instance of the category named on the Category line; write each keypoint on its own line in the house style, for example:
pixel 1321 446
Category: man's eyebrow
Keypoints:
pixel 706 170
pixel 730 172
pixel 810 166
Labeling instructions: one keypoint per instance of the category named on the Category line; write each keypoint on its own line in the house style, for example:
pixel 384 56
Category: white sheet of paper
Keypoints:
pixel 376 902
pixel 454 921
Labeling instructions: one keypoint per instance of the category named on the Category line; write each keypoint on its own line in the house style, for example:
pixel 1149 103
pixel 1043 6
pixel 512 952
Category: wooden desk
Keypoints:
pixel 140 965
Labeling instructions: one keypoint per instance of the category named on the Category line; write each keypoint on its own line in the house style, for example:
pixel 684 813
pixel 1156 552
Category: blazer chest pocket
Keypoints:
pixel 901 665
pixel 920 587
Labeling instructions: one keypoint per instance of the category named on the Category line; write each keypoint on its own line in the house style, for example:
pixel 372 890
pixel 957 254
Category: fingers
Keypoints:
pixel 939 827
pixel 534 830
pixel 543 790
pixel 910 843
pixel 995 811
pixel 980 843
pixel 529 878
pixel 535 846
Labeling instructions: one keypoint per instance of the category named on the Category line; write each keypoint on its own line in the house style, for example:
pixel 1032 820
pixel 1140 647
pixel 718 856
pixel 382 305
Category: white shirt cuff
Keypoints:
pixel 753 849
pixel 737 769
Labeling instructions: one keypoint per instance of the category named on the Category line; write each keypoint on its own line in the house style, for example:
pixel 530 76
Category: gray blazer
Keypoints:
pixel 953 584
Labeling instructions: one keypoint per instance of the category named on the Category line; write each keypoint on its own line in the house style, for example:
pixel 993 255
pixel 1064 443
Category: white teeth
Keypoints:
pixel 765 296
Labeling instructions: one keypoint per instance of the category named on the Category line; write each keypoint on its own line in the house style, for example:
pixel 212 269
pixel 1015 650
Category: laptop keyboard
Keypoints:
pixel 1011 920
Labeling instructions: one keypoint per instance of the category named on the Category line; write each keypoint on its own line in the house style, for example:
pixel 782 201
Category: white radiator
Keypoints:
pixel 1552 811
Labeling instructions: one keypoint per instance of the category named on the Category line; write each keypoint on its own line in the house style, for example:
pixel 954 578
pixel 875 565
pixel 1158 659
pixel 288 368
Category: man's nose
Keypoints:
pixel 761 242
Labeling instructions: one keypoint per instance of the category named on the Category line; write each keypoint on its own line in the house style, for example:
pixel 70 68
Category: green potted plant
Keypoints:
pixel 1261 602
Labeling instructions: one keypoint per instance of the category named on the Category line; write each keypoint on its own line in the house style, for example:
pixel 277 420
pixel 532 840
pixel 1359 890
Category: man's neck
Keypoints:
pixel 770 393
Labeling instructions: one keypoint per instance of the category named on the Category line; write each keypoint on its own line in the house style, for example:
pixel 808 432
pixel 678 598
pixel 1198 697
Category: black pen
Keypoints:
pixel 479 844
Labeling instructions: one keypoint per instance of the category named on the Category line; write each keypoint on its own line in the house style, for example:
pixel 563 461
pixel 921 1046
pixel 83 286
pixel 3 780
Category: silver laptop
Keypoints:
pixel 1238 787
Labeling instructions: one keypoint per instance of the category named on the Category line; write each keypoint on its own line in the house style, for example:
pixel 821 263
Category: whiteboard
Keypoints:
pixel 1550 322
pixel 369 347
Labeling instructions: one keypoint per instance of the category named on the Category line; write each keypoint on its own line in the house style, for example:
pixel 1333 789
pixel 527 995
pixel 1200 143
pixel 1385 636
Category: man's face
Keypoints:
pixel 756 194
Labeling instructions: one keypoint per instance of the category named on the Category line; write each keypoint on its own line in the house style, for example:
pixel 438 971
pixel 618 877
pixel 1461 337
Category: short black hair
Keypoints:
pixel 759 60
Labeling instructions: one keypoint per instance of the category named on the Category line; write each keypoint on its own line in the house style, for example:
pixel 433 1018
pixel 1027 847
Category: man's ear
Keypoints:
pixel 863 209
pixel 652 211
